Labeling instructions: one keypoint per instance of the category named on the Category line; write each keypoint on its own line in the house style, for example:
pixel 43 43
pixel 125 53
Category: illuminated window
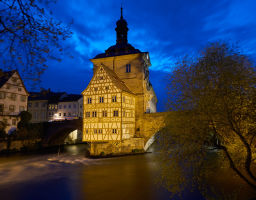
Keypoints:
pixel 94 114
pixel 101 99
pixel 56 107
pixel 113 98
pixel 124 114
pixel 104 113
pixel 87 114
pixel 113 130
pixel 115 114
pixel 95 130
pixel 128 68
pixel 89 100
pixel 124 99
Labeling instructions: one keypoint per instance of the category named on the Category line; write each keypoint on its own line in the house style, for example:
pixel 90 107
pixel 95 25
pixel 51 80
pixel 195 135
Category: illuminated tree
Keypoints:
pixel 29 35
pixel 213 99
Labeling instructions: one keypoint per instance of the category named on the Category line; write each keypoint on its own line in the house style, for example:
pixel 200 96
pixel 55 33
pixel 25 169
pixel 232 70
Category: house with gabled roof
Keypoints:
pixel 70 107
pixel 109 108
pixel 43 105
pixel 13 98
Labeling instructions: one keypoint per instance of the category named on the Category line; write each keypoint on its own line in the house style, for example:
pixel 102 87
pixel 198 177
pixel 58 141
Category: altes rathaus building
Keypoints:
pixel 118 96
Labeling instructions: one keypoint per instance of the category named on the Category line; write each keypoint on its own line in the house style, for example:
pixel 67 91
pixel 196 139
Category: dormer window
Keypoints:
pixel 128 68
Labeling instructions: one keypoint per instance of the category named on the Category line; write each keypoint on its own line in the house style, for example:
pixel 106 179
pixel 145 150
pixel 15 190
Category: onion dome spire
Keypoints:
pixel 121 30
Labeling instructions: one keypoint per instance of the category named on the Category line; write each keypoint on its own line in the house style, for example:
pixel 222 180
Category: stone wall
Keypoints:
pixel 17 144
pixel 152 123
pixel 129 146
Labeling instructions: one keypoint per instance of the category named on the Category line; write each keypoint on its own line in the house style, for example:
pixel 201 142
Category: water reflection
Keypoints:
pixel 72 176
pixel 122 178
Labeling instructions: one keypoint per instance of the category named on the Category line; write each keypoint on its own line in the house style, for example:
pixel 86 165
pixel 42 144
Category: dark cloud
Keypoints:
pixel 168 30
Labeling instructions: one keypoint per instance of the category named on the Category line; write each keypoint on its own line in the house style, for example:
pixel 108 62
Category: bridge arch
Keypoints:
pixel 152 124
pixel 57 131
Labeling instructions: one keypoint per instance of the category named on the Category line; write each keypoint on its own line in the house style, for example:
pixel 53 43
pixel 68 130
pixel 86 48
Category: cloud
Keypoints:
pixel 167 30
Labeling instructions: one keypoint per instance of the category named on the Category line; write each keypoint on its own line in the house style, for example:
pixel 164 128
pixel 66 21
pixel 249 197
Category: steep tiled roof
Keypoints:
pixel 5 76
pixel 52 97
pixel 118 50
pixel 118 82
pixel 71 97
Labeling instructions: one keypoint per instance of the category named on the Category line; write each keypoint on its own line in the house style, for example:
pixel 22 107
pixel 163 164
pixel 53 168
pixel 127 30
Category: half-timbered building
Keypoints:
pixel 119 92
pixel 109 108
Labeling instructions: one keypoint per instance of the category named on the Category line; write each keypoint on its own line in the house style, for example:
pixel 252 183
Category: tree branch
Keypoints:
pixel 232 165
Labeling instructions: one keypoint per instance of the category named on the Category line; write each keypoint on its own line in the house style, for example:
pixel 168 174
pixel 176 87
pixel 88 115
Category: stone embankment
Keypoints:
pixel 17 145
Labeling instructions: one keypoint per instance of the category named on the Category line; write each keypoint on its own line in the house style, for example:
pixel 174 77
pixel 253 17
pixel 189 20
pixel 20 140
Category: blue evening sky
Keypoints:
pixel 168 30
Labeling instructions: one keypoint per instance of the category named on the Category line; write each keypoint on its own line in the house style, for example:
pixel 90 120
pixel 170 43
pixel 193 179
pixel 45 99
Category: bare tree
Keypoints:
pixel 213 99
pixel 29 36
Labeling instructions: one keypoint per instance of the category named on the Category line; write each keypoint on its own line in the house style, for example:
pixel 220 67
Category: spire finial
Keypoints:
pixel 121 11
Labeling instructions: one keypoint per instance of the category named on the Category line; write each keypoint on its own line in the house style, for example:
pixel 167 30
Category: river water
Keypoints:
pixel 70 175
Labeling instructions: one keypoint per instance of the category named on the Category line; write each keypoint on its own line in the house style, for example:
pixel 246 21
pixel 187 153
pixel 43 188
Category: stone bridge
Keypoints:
pixel 151 124
pixel 57 131
pixel 148 125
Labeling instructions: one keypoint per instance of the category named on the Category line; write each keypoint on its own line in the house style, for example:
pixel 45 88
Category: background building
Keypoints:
pixel 69 107
pixel 44 105
pixel 13 98
pixel 54 106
